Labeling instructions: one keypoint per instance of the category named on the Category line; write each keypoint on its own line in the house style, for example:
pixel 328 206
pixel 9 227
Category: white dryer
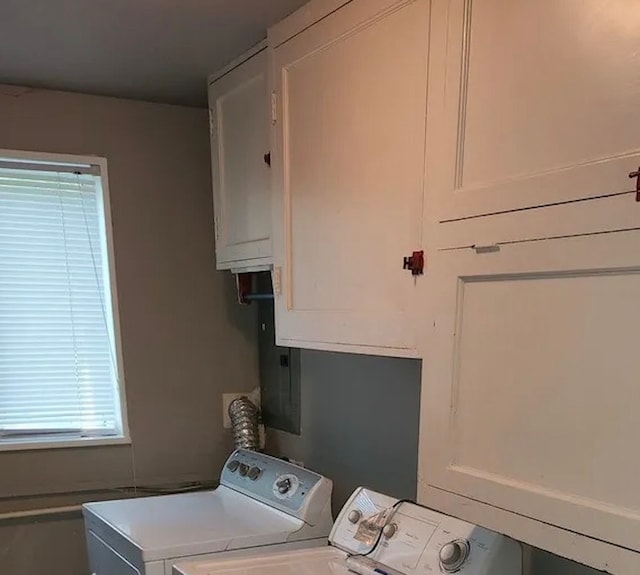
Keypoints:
pixel 262 502
pixel 378 535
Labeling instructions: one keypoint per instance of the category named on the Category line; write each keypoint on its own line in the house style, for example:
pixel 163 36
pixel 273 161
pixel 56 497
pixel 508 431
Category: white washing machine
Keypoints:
pixel 262 502
pixel 378 535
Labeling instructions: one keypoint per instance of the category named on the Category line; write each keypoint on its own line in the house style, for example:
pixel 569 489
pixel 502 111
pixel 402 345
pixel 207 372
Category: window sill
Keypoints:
pixel 53 443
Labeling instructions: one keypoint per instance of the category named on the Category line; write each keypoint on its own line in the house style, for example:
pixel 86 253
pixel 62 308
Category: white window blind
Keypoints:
pixel 58 369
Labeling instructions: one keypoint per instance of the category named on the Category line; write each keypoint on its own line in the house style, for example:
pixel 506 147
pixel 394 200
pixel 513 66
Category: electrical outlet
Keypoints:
pixel 227 398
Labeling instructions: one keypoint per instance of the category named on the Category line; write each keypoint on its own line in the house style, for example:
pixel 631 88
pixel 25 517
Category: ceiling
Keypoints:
pixel 156 50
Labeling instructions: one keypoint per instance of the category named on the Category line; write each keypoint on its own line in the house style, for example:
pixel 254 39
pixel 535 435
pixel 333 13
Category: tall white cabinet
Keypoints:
pixel 239 122
pixel 530 380
pixel 350 88
pixel 530 388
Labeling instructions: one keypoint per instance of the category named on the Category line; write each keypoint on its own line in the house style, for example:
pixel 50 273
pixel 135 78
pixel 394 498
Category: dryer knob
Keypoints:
pixel 389 530
pixel 453 555
pixel 354 516
pixel 244 469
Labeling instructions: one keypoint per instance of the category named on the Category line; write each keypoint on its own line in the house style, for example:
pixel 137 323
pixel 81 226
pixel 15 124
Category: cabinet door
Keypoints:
pixel 238 108
pixel 349 175
pixel 530 382
pixel 531 103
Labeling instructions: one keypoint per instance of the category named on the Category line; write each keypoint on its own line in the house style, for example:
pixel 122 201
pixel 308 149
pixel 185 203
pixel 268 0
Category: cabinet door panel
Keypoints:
pixel 531 103
pixel 534 350
pixel 240 139
pixel 350 175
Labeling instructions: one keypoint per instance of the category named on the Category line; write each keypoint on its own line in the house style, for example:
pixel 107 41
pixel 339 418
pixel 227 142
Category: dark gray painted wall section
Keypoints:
pixel 185 340
pixel 360 419
pixel 548 564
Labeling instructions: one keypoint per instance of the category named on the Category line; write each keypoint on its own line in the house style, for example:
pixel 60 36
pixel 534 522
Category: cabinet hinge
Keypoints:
pixel 274 107
pixel 212 123
pixel 277 281
pixel 216 229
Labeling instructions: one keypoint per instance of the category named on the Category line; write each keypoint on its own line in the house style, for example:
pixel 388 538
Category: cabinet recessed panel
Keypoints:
pixel 355 168
pixel 532 102
pixel 547 382
pixel 532 382
pixel 559 96
pixel 242 130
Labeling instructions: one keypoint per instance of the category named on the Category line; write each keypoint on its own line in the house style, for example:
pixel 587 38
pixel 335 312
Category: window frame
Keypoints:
pixel 25 443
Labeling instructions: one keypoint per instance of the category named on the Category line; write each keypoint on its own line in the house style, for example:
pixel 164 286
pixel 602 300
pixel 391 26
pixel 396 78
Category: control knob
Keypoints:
pixel 354 516
pixel 244 469
pixel 233 465
pixel 254 473
pixel 453 555
pixel 389 530
pixel 283 485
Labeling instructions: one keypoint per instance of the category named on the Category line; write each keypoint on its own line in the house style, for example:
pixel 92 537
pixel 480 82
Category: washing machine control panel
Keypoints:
pixel 281 484
pixel 410 539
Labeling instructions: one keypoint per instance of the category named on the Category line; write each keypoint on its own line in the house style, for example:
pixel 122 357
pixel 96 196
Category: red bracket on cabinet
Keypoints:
pixel 414 263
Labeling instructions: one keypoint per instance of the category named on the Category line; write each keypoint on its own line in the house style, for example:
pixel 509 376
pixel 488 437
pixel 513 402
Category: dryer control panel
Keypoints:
pixel 278 483
pixel 385 535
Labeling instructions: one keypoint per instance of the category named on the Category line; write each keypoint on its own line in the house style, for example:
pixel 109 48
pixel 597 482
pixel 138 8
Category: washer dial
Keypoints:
pixel 285 486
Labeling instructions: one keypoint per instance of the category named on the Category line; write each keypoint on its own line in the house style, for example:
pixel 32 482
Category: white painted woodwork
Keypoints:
pixel 531 103
pixel 348 176
pixel 530 384
pixel 575 218
pixel 591 552
pixel 306 16
pixel 239 113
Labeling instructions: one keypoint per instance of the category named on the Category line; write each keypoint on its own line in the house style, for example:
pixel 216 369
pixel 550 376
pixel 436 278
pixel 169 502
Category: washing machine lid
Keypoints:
pixel 323 561
pixel 171 526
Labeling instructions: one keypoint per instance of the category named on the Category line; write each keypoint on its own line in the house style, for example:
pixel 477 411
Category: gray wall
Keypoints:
pixel 360 418
pixel 184 339
pixel 548 564
pixel 359 422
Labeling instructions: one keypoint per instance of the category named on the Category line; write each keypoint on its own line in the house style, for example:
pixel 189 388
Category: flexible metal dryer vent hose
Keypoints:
pixel 245 424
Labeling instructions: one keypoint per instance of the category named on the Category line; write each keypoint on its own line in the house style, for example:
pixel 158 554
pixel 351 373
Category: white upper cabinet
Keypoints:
pixel 531 103
pixel 348 173
pixel 239 114
pixel 530 394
